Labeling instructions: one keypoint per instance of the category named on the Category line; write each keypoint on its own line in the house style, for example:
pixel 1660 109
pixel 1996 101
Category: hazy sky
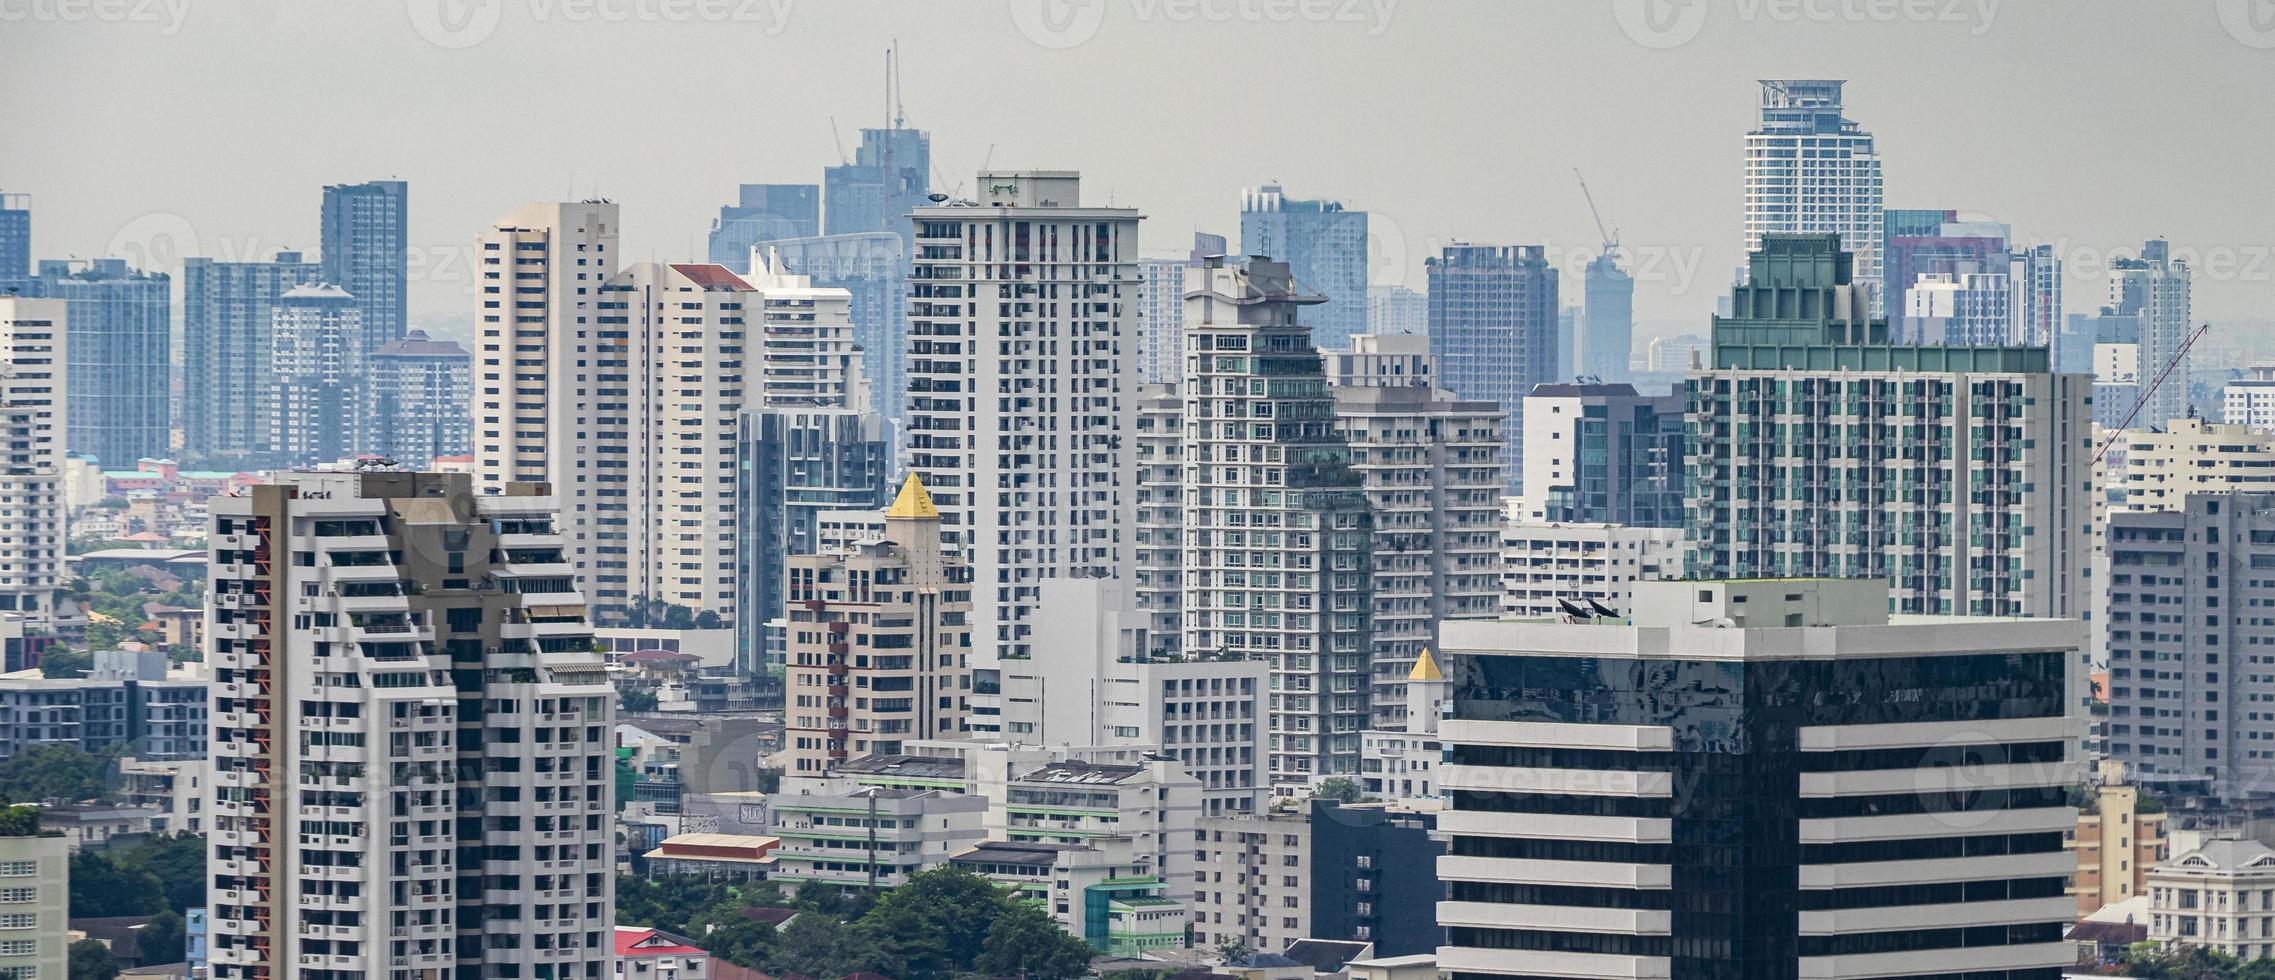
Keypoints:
pixel 208 127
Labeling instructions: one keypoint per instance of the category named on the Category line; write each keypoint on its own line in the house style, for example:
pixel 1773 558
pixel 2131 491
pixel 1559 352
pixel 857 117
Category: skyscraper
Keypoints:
pixel 366 251
pixel 1022 324
pixel 1820 450
pixel 1324 245
pixel 2036 272
pixel 905 602
pixel 15 243
pixel 791 465
pixel 1396 311
pixel 1968 309
pixel 121 358
pixel 1278 546
pixel 1759 779
pixel 1919 242
pixel 412 741
pixel 228 311
pixel 2155 287
pixel 421 390
pixel 764 213
pixel 320 412
pixel 1161 310
pixel 33 382
pixel 1493 316
pixel 1809 169
pixel 1603 454
pixel 871 268
pixel 890 176
pixel 1607 323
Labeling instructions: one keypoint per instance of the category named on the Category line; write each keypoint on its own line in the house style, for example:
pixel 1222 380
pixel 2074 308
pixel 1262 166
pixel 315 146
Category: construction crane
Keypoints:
pixel 2143 401
pixel 1610 235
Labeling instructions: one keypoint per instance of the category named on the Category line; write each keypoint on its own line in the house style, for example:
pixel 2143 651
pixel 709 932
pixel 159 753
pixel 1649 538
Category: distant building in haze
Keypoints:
pixel 1324 245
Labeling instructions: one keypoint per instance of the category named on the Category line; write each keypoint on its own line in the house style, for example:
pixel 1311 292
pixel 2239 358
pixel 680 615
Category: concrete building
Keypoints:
pixel 649 954
pixel 870 267
pixel 2036 275
pixel 1151 800
pixel 1335 872
pixel 1811 170
pixel 864 202
pixel 1096 891
pixel 1396 311
pixel 1932 245
pixel 1103 685
pixel 2185 631
pixel 174 791
pixel 15 242
pixel 1911 824
pixel 2194 456
pixel 1396 764
pixel 421 392
pixel 120 364
pixel 879 643
pixel 1493 314
pixel 2155 288
pixel 411 760
pixel 34 400
pixel 366 251
pixel 1431 468
pixel 1961 475
pixel 1383 361
pixel 321 409
pixel 793 465
pixel 2118 842
pixel 1158 568
pixel 1022 381
pixel 35 899
pixel 1968 309
pixel 763 213
pixel 1544 562
pixel 128 702
pixel 1278 540
pixel 1603 454
pixel 2215 895
pixel 1161 310
pixel 1324 246
pixel 871 837
pixel 228 311
pixel 2250 401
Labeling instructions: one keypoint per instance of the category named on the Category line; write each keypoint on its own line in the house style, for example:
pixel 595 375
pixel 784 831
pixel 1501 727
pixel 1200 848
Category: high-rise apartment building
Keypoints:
pixel 1279 537
pixel 2106 345
pixel 764 213
pixel 1605 340
pixel 228 312
pixel 1809 169
pixel 1022 387
pixel 1916 243
pixel 791 466
pixel 2154 286
pixel 1493 315
pixel 2250 401
pixel 320 410
pixel 2036 274
pixel 2186 631
pixel 1545 565
pixel 870 268
pixel 1161 310
pixel 413 739
pixel 121 367
pixel 1430 464
pixel 1383 361
pixel 862 203
pixel 2162 468
pixel 1960 475
pixel 1325 247
pixel 1603 454
pixel 889 619
pixel 1767 778
pixel 366 251
pixel 1158 564
pixel 15 243
pixel 1969 308
pixel 541 270
pixel 421 390
pixel 33 407
pixel 1396 311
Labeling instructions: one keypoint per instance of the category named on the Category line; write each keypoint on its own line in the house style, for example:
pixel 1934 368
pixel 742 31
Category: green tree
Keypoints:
pixel 635 699
pixel 163 940
pixel 1233 950
pixel 1025 941
pixel 179 861
pixel 937 922
pixel 2149 961
pixel 21 820
pixel 100 887
pixel 812 944
pixel 730 935
pixel 1338 788
pixel 63 663
pixel 91 960
pixel 55 772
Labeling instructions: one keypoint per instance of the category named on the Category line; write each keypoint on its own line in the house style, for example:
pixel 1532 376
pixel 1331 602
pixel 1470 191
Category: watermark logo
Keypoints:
pixel 458 24
pixel 1058 24
pixel 167 14
pixel 1061 24
pixel 1660 24
pixel 454 24
pixel 2250 22
pixel 1663 24
pixel 155 242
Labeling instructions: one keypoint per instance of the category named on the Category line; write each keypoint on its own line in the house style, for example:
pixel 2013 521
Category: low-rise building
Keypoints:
pixel 1097 890
pixel 2192 455
pixel 175 791
pixel 713 856
pixel 2219 894
pixel 871 837
pixel 1154 803
pixel 1351 873
pixel 2117 841
pixel 652 954
pixel 97 826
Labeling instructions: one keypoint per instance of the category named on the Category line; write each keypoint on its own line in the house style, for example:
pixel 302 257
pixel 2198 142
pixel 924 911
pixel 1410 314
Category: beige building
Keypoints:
pixel 879 641
pixel 2117 843
pixel 2195 456
pixel 2219 894
pixel 35 904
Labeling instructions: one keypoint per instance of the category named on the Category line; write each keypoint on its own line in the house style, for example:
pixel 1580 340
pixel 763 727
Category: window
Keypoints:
pixel 17 896
pixel 19 947
pixel 18 869
pixel 20 920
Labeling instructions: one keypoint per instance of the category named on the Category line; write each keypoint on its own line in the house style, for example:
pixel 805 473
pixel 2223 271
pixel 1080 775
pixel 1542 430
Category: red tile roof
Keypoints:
pixel 710 276
pixel 649 942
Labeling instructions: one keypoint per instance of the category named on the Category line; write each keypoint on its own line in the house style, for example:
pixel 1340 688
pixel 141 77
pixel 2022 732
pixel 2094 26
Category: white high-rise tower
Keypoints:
pixel 1810 169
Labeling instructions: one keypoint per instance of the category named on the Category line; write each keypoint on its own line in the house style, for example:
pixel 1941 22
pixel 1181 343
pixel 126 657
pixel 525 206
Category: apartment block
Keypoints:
pixel 34 395
pixel 1603 454
pixel 1544 565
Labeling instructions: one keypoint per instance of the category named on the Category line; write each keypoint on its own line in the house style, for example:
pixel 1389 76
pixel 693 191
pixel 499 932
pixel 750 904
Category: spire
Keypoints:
pixel 913 503
pixel 1425 668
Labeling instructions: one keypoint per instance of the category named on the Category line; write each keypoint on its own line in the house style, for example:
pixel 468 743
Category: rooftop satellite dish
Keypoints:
pixel 936 197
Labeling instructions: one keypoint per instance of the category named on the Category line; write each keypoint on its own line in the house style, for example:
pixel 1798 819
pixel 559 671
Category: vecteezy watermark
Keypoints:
pixel 2250 22
pixel 1673 23
pixel 458 24
pixel 1068 23
pixel 167 14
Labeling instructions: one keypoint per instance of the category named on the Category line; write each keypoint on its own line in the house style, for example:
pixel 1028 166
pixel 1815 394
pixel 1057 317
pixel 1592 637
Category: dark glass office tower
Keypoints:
pixel 1755 780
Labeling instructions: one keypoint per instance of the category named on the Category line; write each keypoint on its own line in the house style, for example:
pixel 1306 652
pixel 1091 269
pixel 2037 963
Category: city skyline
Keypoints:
pixel 1910 84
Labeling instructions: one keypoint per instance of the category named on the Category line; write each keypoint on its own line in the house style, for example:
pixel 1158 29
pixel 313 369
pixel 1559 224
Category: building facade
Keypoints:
pixel 1325 247
pixel 1396 311
pixel 1546 564
pixel 228 312
pixel 1603 454
pixel 366 251
pixel 1022 333
pixel 421 392
pixel 2162 468
pixel 34 394
pixel 763 213
pixel 321 409
pixel 1493 313
pixel 1663 796
pixel 793 465
pixel 412 754
pixel 2155 287
pixel 1606 338
pixel 2215 895
pixel 120 373
pixel 35 899
pixel 1811 170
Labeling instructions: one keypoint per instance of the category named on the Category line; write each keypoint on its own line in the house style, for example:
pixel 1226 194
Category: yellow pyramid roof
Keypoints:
pixel 1425 668
pixel 914 502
